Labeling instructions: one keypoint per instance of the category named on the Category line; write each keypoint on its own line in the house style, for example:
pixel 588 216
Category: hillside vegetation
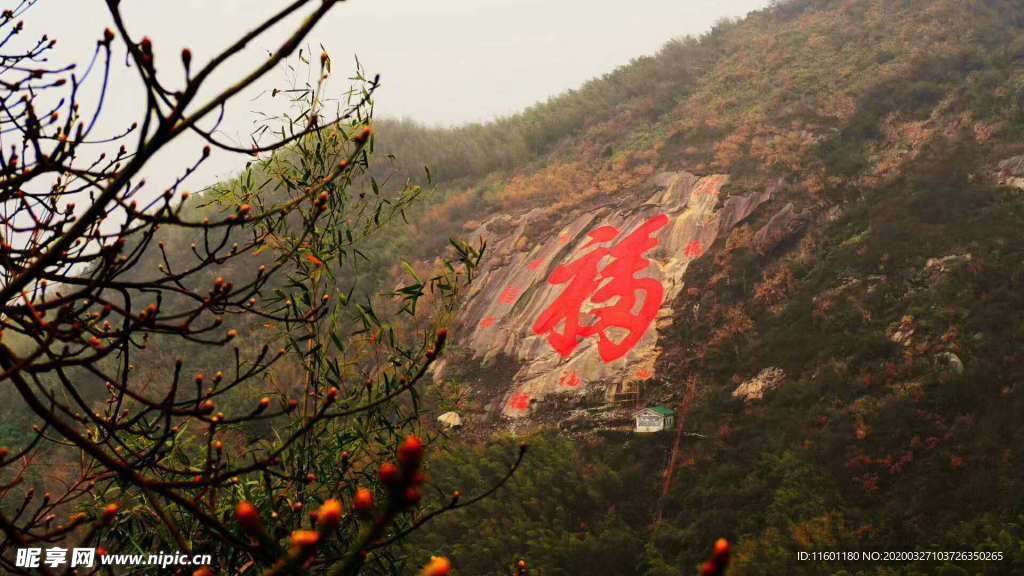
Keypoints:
pixel 884 280
pixel 885 287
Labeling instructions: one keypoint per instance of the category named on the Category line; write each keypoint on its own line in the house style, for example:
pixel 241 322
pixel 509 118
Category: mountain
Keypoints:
pixel 801 232
pixel 822 203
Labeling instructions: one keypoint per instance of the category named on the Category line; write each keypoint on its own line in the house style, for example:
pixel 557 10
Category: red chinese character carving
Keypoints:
pixel 535 265
pixel 605 275
pixel 569 379
pixel 693 249
pixel 509 296
pixel 519 402
pixel 487 322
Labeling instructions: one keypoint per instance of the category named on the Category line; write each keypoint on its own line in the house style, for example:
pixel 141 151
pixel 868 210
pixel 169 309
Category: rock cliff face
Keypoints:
pixel 572 304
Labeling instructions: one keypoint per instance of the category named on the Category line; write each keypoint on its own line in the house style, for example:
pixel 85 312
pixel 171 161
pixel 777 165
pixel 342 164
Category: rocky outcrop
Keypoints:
pixel 754 389
pixel 946 263
pixel 1011 172
pixel 576 300
pixel 782 226
pixel 902 332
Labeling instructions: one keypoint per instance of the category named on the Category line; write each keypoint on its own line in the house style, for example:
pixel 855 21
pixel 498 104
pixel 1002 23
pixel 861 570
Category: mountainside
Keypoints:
pixel 802 233
pixel 759 144
pixel 516 315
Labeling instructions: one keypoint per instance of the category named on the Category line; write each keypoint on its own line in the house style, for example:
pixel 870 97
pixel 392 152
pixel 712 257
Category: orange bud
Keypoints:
pixel 248 517
pixel 363 500
pixel 204 571
pixel 438 566
pixel 412 496
pixel 410 453
pixel 721 551
pixel 305 538
pixel 109 512
pixel 329 515
pixel 264 403
pixel 363 135
pixel 389 474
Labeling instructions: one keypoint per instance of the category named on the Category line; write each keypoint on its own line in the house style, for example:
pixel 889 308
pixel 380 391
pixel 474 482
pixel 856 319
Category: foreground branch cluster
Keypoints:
pixel 199 379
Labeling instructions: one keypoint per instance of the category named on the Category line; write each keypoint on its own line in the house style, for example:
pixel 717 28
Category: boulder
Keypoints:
pixel 946 263
pixel 903 332
pixel 754 389
pixel 1011 172
pixel 951 361
pixel 450 420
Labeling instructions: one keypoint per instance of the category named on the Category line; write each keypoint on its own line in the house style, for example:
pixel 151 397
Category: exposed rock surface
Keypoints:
pixel 1011 172
pixel 783 225
pixel 947 263
pixel 603 344
pixel 951 362
pixel 754 389
pixel 450 420
pixel 902 332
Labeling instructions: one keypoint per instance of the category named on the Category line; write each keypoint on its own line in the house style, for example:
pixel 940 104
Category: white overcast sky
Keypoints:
pixel 442 62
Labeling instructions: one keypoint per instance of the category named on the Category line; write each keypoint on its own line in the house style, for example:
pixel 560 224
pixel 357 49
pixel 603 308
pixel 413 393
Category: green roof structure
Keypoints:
pixel 662 410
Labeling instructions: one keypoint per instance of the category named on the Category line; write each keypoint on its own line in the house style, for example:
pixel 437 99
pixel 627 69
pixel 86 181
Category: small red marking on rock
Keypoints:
pixel 509 296
pixel 693 250
pixel 519 402
pixel 535 265
pixel 642 374
pixel 487 322
pixel 569 379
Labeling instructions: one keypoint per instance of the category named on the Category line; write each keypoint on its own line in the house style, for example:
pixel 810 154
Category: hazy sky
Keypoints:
pixel 442 62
